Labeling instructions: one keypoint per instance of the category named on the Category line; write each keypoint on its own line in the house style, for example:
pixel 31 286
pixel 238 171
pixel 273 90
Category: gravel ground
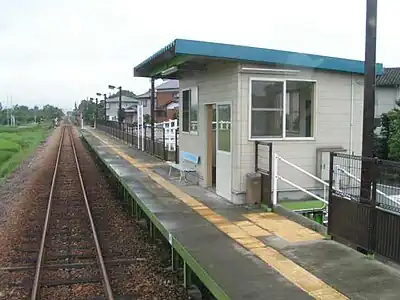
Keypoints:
pixel 22 198
pixel 141 270
pixel 149 276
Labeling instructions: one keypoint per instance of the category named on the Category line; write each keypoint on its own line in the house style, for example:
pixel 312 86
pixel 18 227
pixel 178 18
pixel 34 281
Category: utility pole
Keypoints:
pixel 369 100
pixel 105 107
pixel 96 114
pixel 120 108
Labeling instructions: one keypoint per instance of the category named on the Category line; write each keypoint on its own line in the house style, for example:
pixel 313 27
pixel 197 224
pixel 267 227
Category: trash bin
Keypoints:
pixel 253 188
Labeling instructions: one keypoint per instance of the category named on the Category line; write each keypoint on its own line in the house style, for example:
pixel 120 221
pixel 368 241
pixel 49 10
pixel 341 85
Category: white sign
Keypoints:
pixel 140 127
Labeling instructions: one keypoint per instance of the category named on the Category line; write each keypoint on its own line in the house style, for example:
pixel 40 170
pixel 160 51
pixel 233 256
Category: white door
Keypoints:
pixel 223 154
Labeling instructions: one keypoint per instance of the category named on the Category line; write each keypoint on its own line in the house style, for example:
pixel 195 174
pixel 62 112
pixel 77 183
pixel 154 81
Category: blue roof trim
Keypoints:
pixel 159 52
pixel 256 55
pixel 253 54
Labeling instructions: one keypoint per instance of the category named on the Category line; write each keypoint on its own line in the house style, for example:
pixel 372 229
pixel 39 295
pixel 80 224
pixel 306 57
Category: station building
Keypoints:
pixel 231 96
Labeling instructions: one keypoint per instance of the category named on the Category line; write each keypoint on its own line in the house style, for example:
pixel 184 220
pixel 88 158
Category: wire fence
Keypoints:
pixel 380 184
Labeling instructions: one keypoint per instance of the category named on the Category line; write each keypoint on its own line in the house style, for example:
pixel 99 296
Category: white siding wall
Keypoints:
pixel 219 83
pixel 332 114
pixel 332 119
pixel 113 105
pixel 385 100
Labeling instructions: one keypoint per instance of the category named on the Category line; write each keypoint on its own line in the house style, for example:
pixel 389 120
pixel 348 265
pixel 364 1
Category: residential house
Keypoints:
pixel 387 92
pixel 113 105
pixel 166 101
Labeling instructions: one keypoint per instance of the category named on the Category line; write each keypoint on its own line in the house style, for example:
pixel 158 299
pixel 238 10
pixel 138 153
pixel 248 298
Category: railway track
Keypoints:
pixel 56 253
pixel 69 240
pixel 69 260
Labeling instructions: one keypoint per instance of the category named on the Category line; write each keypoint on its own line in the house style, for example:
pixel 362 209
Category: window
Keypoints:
pixel 272 116
pixel 185 110
pixel 266 109
pixel 194 113
pixel 224 127
pixel 144 103
pixel 189 111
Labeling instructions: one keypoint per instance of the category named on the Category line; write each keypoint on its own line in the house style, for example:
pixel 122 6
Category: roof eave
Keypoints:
pixel 173 53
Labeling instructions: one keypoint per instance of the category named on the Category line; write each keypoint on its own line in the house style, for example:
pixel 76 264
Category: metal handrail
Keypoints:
pixel 302 189
pixel 359 180
pixel 302 171
pixel 276 176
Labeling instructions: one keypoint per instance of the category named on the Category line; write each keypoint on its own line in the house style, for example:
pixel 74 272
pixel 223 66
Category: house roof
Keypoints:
pixel 166 85
pixel 171 84
pixel 144 95
pixel 180 53
pixel 124 99
pixel 390 77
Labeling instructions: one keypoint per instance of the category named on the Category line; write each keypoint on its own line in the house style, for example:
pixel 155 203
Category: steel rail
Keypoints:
pixel 106 282
pixel 46 222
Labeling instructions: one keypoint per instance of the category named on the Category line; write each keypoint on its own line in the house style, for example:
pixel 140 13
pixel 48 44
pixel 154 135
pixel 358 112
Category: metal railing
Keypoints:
pixel 337 170
pixel 364 209
pixel 277 177
pixel 140 137
pixel 383 188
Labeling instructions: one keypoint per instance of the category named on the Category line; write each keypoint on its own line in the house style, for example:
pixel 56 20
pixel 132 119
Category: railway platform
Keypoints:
pixel 238 252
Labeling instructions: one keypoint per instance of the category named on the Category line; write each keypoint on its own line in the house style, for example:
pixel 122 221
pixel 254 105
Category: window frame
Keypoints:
pixel 193 93
pixel 284 137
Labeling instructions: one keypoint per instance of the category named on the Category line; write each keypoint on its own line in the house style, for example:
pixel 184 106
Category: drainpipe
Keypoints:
pixel 351 116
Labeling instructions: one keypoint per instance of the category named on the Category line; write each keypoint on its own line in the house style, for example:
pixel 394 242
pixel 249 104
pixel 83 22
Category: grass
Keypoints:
pixel 298 205
pixel 16 143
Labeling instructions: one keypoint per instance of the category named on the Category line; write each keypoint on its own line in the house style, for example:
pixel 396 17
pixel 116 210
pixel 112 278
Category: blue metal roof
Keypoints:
pixel 257 55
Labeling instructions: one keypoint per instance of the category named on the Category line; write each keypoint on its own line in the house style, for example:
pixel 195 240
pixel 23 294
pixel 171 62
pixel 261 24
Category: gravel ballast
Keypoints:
pixel 136 266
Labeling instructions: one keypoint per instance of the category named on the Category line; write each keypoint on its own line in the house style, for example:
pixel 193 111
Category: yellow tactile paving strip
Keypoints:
pixel 284 228
pixel 245 233
pixel 252 229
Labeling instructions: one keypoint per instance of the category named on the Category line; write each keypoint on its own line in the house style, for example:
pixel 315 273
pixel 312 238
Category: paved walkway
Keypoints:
pixel 251 254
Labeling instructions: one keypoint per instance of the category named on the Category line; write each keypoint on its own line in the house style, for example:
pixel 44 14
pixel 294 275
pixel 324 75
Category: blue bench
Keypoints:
pixel 189 163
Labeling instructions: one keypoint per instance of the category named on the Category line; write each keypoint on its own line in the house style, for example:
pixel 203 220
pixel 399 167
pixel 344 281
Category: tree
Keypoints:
pixel 146 119
pixel 24 115
pixel 381 149
pixel 393 139
pixel 125 93
pixel 88 110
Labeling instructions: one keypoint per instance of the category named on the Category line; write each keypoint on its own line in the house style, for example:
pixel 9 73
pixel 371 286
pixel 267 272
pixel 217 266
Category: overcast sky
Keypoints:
pixel 58 52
